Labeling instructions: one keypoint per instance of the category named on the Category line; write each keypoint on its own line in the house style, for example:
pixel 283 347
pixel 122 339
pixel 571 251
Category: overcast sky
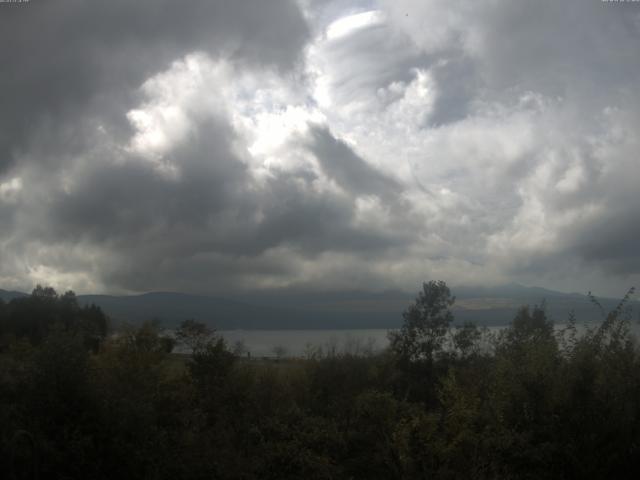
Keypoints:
pixel 222 146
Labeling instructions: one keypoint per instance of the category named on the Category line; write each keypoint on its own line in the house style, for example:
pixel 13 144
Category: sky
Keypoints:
pixel 222 147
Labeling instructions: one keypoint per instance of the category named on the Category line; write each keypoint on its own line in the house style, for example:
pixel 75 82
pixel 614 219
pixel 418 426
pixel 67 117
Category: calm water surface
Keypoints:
pixel 297 343
pixel 300 343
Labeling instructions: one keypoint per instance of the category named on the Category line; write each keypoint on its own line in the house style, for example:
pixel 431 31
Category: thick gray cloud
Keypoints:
pixel 71 72
pixel 219 146
pixel 67 58
pixel 550 88
pixel 341 164
pixel 207 228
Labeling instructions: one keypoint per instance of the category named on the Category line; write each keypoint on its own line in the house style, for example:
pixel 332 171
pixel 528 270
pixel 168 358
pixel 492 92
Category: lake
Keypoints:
pixel 298 343
pixel 301 343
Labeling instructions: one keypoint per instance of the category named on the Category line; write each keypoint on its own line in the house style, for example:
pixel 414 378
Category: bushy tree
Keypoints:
pixel 534 406
pixel 426 323
pixel 35 316
pixel 466 340
pixel 194 335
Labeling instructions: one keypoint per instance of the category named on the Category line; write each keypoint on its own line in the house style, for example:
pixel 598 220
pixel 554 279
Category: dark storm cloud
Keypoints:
pixel 340 163
pixel 315 222
pixel 473 140
pixel 611 239
pixel 63 59
pixel 83 206
pixel 209 226
pixel 124 198
pixel 614 243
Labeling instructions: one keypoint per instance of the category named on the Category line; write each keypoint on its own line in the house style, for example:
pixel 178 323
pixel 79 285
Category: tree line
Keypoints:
pixel 442 401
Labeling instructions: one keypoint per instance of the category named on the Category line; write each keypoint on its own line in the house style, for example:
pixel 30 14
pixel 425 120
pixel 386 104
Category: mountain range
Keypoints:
pixel 334 310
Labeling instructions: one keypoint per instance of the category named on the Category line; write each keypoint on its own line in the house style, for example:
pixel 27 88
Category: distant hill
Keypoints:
pixel 228 314
pixel 171 308
pixel 334 310
pixel 491 306
pixel 7 295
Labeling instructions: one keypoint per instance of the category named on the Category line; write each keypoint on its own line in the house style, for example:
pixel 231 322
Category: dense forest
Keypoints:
pixel 443 401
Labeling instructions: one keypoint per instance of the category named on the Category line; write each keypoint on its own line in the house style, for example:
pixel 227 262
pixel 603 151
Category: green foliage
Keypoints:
pixel 467 340
pixel 193 335
pixel 34 317
pixel 210 365
pixel 426 324
pixel 533 401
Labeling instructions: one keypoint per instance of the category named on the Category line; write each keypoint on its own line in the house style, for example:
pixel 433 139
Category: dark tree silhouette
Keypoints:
pixel 426 323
